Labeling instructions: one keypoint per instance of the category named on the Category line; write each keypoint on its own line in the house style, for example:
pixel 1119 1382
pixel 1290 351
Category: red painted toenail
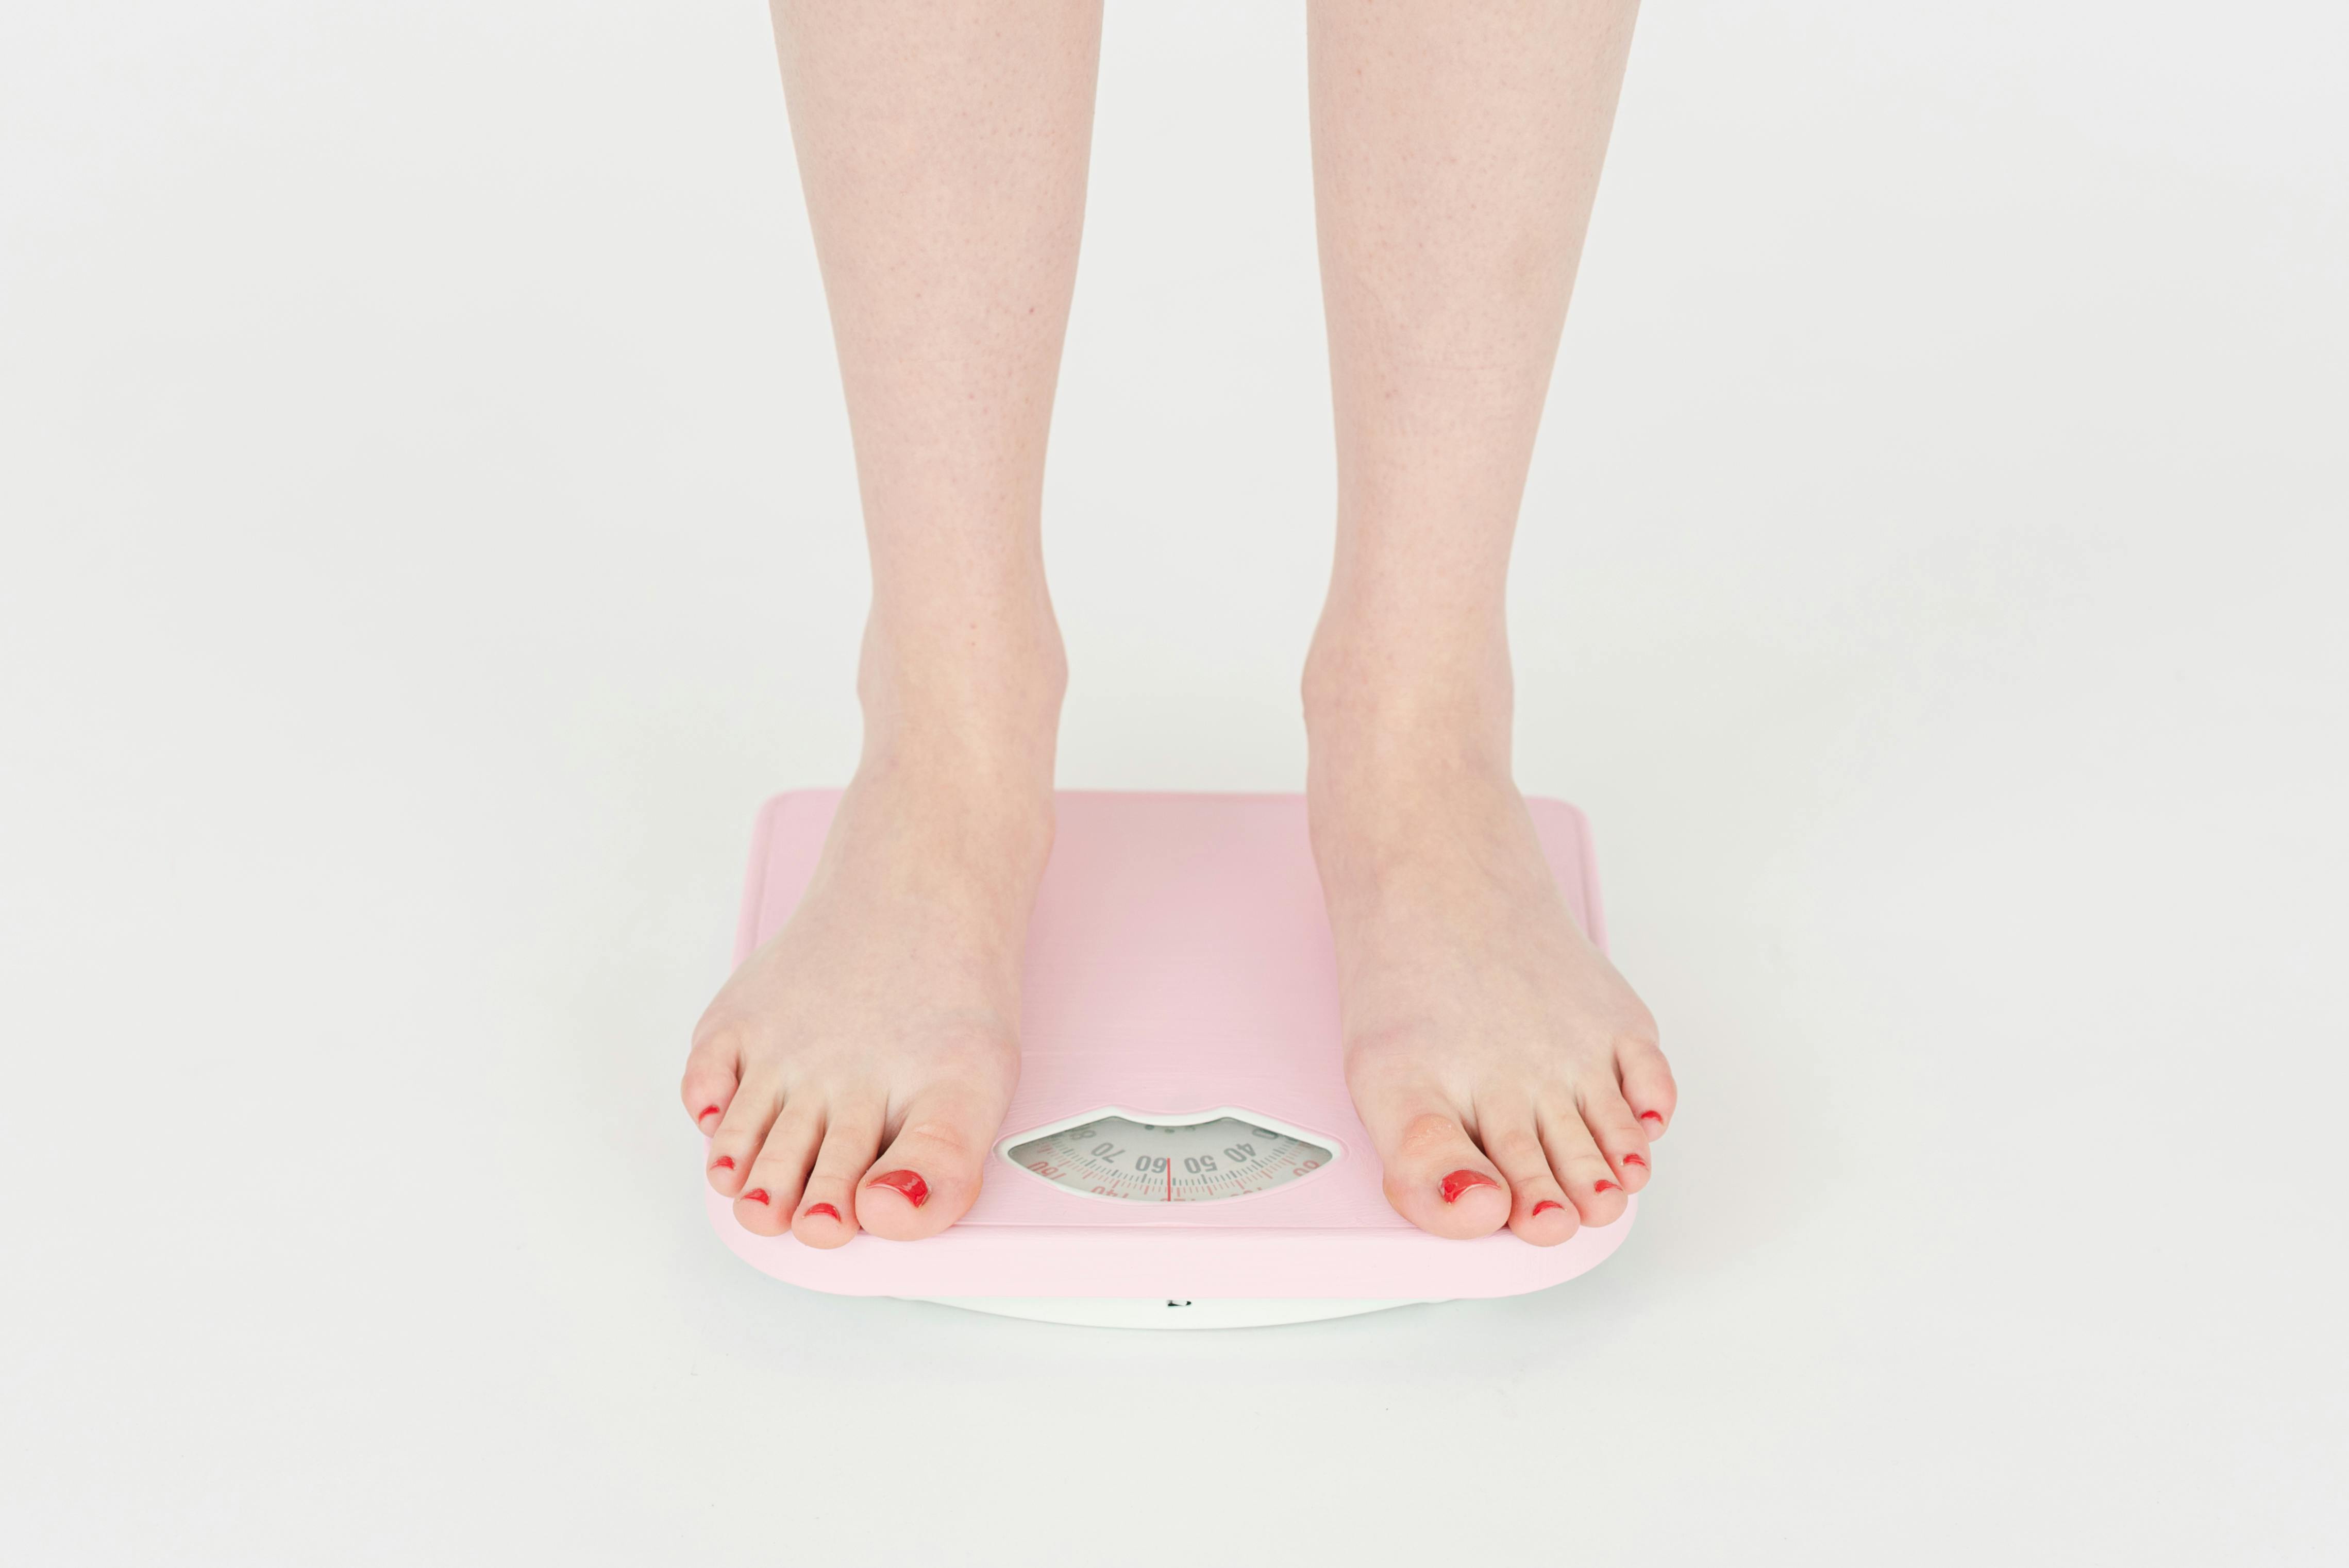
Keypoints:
pixel 757 1194
pixel 707 1112
pixel 915 1191
pixel 1603 1186
pixel 1651 1116
pixel 723 1162
pixel 1548 1203
pixel 1459 1181
pixel 1638 1160
pixel 827 1210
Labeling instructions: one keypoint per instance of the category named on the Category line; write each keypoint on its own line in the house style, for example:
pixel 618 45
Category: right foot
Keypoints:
pixel 853 1072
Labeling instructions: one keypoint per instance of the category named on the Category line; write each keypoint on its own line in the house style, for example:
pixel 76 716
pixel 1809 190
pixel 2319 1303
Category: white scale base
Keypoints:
pixel 1126 1311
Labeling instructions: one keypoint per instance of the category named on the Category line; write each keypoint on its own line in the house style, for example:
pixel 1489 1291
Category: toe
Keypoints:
pixel 1589 1181
pixel 1538 1211
pixel 1436 1177
pixel 1648 1087
pixel 712 1068
pixel 736 1138
pixel 929 1175
pixel 769 1190
pixel 1617 1132
pixel 826 1216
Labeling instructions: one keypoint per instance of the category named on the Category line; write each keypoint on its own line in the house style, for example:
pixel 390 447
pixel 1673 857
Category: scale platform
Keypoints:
pixel 1181 1152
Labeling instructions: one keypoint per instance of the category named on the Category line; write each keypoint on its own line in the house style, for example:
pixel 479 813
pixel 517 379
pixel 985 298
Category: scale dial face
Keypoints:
pixel 1190 1160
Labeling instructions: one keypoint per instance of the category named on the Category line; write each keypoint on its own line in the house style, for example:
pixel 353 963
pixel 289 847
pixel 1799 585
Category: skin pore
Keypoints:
pixel 853 1072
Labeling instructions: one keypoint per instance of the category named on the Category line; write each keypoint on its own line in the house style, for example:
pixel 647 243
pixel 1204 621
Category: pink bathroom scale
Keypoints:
pixel 1181 1152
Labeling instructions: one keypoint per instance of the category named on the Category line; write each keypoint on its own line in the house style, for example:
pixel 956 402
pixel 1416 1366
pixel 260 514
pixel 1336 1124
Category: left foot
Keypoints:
pixel 1505 1070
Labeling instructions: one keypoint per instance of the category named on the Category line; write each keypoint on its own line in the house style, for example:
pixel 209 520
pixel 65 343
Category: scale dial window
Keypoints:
pixel 1194 1160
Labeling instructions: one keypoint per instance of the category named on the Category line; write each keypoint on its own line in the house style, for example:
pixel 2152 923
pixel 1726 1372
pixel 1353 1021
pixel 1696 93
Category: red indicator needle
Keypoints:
pixel 1170 1178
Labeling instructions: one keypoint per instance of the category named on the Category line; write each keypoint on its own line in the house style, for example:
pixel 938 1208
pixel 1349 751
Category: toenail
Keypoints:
pixel 914 1191
pixel 1603 1186
pixel 1459 1181
pixel 707 1112
pixel 1548 1203
pixel 1638 1160
pixel 1655 1116
pixel 756 1194
pixel 723 1162
pixel 827 1210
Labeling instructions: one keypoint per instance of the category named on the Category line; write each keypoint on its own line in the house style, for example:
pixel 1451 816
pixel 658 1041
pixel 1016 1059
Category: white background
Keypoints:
pixel 429 533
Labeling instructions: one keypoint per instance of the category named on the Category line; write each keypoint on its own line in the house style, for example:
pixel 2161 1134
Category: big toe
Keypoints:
pixel 929 1175
pixel 1436 1177
pixel 712 1069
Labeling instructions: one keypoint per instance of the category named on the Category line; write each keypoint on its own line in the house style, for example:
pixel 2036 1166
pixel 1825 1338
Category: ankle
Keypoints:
pixel 1387 702
pixel 963 814
pixel 972 696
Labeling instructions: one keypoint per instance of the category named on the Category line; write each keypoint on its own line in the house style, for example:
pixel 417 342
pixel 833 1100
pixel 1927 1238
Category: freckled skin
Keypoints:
pixel 852 1073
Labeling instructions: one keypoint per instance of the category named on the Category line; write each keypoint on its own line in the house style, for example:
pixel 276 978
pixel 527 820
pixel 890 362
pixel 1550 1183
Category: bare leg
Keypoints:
pixel 1505 1071
pixel 853 1070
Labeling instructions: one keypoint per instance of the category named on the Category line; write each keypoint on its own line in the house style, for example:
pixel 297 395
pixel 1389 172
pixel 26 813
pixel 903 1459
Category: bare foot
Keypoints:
pixel 1505 1070
pixel 853 1072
